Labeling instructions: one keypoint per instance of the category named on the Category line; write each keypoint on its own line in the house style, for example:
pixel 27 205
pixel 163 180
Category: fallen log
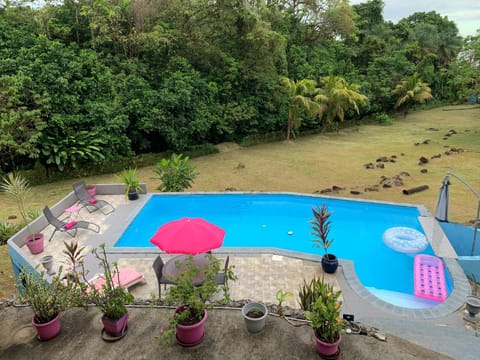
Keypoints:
pixel 415 189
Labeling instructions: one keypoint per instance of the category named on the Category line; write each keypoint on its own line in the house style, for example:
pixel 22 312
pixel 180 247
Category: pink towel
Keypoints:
pixel 128 277
pixel 70 225
pixel 92 201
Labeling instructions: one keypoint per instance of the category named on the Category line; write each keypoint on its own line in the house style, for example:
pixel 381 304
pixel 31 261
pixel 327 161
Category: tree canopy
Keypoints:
pixel 93 81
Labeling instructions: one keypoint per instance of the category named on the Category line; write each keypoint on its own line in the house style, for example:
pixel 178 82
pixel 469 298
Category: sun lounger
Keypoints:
pixel 90 202
pixel 128 278
pixel 68 227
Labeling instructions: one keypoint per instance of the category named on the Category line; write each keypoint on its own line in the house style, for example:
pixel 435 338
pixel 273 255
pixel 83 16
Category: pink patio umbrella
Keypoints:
pixel 189 236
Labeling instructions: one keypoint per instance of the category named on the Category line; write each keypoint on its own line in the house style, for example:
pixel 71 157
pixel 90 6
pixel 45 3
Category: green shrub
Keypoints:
pixel 384 119
pixel 175 173
pixel 7 229
pixel 325 310
pixel 201 150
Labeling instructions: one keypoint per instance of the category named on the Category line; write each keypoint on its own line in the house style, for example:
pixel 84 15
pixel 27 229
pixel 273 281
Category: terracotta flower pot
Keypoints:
pixel 49 330
pixel 191 335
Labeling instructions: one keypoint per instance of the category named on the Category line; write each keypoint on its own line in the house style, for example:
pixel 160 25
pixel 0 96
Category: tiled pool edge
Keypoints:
pixel 461 288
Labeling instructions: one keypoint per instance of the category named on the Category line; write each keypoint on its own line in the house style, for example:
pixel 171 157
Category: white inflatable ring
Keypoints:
pixel 405 240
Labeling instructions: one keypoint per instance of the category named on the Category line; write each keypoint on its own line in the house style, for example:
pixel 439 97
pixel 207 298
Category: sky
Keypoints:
pixel 465 13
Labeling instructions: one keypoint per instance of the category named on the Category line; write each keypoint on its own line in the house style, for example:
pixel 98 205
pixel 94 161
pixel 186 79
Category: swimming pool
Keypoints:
pixel 283 221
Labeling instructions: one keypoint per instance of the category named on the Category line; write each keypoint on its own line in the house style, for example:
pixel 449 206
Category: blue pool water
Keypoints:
pixel 283 221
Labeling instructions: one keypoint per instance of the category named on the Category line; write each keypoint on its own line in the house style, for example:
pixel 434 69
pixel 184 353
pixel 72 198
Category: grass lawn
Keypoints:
pixel 317 162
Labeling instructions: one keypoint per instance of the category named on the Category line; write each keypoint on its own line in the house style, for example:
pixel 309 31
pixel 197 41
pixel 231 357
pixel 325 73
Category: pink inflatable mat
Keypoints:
pixel 429 278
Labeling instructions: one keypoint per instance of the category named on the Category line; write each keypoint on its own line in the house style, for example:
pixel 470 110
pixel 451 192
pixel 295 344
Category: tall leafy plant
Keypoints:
pixel 18 188
pixel 129 178
pixel 321 228
pixel 110 299
pixel 46 299
pixel 298 94
pixel 337 96
pixel 324 309
pixel 74 256
pixel 193 299
pixel 411 90
pixel 176 173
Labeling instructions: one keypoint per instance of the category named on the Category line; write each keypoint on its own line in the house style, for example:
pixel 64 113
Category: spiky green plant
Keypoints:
pixel 18 188
pixel 129 178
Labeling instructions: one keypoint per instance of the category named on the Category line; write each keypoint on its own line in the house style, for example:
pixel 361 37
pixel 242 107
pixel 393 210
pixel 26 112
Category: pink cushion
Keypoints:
pixel 92 201
pixel 128 277
pixel 70 225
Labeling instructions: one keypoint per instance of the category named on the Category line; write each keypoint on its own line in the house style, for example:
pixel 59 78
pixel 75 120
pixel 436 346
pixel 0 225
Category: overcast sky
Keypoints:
pixel 465 13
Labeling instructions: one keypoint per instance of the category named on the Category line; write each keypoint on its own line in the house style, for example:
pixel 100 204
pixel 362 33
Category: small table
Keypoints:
pixel 176 265
pixel 72 210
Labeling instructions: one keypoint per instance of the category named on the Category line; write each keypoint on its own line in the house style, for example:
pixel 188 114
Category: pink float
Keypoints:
pixel 429 278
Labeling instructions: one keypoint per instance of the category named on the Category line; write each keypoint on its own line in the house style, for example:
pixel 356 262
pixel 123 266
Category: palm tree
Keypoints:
pixel 298 94
pixel 336 96
pixel 411 90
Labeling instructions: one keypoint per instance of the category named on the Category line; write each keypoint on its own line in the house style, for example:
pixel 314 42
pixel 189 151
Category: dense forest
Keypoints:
pixel 95 81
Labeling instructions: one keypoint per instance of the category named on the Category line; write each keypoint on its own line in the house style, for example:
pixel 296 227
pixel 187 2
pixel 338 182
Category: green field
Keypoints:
pixel 314 163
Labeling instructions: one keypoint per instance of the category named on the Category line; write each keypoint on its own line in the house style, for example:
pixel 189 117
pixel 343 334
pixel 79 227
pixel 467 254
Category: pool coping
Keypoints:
pixel 433 232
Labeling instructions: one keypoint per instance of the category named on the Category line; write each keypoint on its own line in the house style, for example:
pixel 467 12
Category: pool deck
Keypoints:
pixel 262 272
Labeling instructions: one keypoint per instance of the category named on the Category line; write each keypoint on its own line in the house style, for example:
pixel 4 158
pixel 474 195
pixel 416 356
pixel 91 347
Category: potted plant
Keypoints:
pixel 192 301
pixel 321 228
pixel 73 259
pixel 18 188
pixel 132 185
pixel 110 299
pixel 322 308
pixel 472 302
pixel 255 315
pixel 47 300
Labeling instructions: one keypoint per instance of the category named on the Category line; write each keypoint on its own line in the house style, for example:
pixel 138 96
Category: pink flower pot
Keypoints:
pixel 49 330
pixel 191 335
pixel 327 349
pixel 115 327
pixel 34 243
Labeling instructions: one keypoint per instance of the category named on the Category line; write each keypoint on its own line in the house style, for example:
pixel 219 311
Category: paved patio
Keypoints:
pixel 260 276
